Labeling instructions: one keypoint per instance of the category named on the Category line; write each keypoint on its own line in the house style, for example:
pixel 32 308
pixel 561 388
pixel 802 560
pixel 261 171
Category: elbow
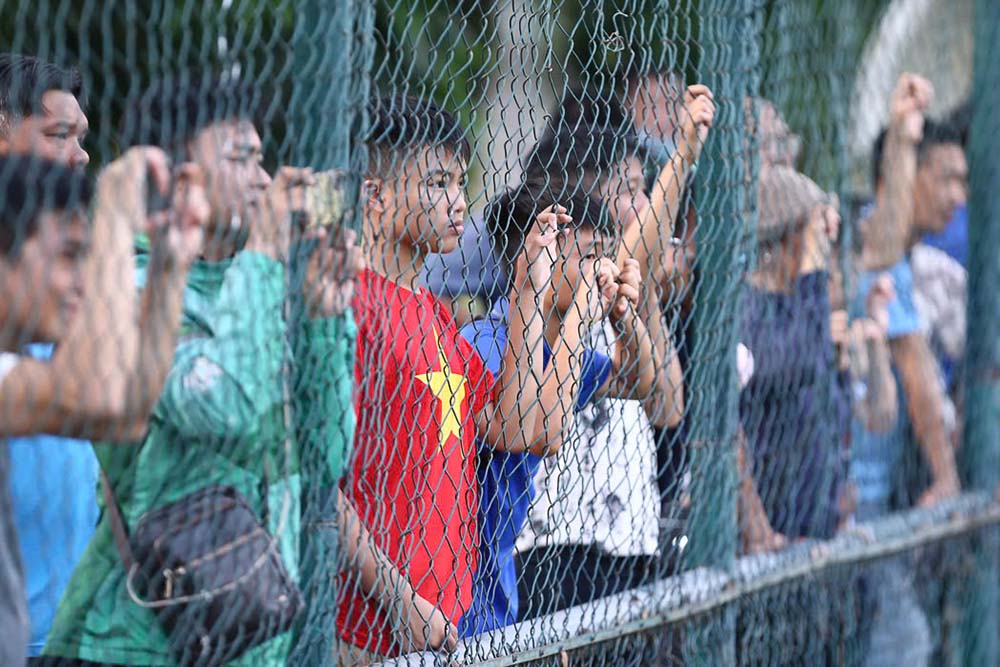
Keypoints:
pixel 547 445
pixel 666 413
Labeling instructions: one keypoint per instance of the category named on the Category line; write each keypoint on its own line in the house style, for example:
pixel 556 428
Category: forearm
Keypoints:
pixel 162 301
pixel 925 399
pixel 516 404
pixel 891 221
pixel 881 398
pixel 559 389
pixel 753 516
pixel 666 402
pixel 94 361
pixel 379 577
pixel 648 241
pixel 636 360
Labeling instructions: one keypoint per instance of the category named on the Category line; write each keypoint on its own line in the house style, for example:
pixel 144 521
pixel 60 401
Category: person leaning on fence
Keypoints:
pixel 577 284
pixel 52 479
pixel 920 177
pixel 220 418
pixel 587 540
pixel 424 394
pixel 792 413
pixel 101 375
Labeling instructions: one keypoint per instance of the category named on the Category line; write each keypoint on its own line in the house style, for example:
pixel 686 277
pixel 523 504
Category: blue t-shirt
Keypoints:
pixel 874 456
pixel 954 239
pixel 53 488
pixel 506 486
pixel 903 316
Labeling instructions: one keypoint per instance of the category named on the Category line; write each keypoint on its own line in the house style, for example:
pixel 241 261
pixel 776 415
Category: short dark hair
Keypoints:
pixel 31 186
pixel 401 123
pixel 510 215
pixel 25 79
pixel 645 68
pixel 935 134
pixel 589 133
pixel 173 110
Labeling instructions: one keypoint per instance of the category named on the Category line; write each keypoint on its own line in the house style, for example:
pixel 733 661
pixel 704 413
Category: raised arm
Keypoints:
pixel 508 424
pixel 888 230
pixel 646 241
pixel 665 404
pixel 635 360
pixel 85 385
pixel 879 410
pixel 175 238
pixel 221 383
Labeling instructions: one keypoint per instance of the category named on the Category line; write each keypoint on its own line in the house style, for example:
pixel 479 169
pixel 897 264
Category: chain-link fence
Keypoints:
pixel 602 333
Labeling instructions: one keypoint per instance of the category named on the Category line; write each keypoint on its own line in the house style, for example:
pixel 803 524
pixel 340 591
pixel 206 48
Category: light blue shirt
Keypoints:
pixel 53 488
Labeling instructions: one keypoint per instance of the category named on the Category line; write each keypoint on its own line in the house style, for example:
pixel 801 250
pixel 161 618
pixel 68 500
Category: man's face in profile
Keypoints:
pixel 942 179
pixel 56 134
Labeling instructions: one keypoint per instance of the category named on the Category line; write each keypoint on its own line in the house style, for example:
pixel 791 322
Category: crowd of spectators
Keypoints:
pixel 450 422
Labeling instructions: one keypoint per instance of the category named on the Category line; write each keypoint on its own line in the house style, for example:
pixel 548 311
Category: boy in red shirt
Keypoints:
pixel 424 395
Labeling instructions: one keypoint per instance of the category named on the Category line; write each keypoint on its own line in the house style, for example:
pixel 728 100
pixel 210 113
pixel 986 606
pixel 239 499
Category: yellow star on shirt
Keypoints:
pixel 449 389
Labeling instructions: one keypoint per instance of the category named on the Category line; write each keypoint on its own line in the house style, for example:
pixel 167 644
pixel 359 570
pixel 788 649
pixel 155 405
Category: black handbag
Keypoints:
pixel 210 571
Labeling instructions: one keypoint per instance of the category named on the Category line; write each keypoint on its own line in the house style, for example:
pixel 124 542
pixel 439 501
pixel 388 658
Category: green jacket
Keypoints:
pixel 220 419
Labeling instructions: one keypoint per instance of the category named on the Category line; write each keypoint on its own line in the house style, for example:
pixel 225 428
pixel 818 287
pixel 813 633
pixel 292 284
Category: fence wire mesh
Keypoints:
pixel 594 333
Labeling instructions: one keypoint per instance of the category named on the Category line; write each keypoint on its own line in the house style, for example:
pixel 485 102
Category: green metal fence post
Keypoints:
pixel 981 448
pixel 729 58
pixel 332 61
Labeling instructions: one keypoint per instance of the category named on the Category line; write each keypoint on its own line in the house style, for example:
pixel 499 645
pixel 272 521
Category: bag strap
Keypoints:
pixel 118 528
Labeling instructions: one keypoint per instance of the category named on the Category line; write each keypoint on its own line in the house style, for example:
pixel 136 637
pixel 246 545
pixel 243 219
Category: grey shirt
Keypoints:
pixel 13 605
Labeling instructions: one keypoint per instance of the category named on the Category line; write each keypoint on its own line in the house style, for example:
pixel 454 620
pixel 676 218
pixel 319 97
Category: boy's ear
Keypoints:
pixel 372 194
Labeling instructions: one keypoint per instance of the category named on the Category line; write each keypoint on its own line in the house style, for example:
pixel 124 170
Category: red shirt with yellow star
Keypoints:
pixel 412 478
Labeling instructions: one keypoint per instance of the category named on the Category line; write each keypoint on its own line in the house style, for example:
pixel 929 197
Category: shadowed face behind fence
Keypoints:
pixel 230 155
pixel 42 286
pixel 940 187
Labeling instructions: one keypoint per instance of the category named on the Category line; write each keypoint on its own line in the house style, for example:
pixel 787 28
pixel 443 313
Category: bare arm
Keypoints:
pixel 888 230
pixel 175 241
pixel 925 399
pixel 880 409
pixel 86 383
pixel 559 388
pixel 510 420
pixel 646 241
pixel 665 404
pixel 425 626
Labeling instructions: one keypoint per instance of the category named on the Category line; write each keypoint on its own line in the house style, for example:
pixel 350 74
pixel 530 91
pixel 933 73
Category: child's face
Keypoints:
pixel 576 250
pixel 424 204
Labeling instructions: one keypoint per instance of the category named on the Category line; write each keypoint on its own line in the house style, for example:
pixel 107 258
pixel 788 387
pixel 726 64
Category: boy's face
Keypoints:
pixel 940 187
pixel 576 250
pixel 423 205
pixel 230 155
pixel 56 134
pixel 43 287
pixel 624 188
